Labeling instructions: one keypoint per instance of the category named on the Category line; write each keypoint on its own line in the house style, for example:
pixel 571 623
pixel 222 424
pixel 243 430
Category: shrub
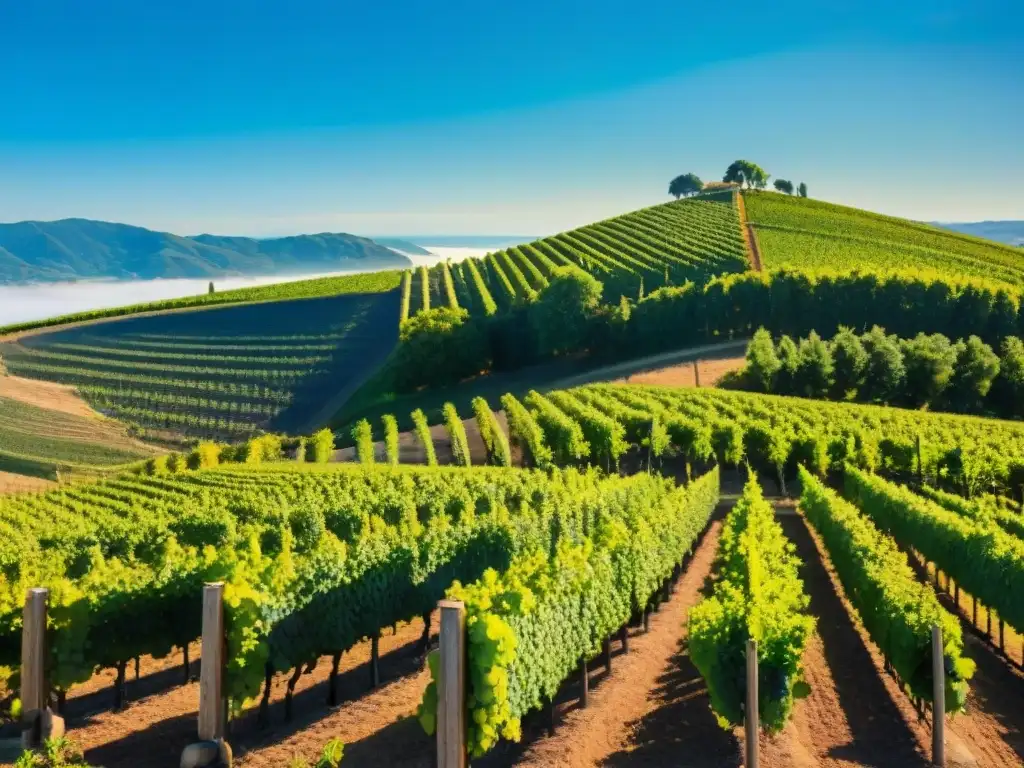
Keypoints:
pixel 457 434
pixel 1007 393
pixel 362 434
pixel 422 429
pixel 929 362
pixel 391 440
pixel 176 463
pixel 321 446
pixel 205 456
pixel 157 465
pixel 263 448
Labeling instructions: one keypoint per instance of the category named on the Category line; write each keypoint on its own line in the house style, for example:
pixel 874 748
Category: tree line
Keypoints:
pixel 925 371
pixel 743 173
pixel 568 318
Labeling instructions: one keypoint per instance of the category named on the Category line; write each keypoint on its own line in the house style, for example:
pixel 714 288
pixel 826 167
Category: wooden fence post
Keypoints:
pixel 584 684
pixel 211 749
pixel 751 714
pixel 451 686
pixel 938 699
pixel 33 667
pixel 211 671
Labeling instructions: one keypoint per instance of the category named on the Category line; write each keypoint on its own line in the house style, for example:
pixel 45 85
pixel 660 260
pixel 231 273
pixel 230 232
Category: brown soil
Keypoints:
pixel 45 394
pixel 994 724
pixel 160 720
pixel 710 372
pixel 749 236
pixel 11 483
pixel 856 714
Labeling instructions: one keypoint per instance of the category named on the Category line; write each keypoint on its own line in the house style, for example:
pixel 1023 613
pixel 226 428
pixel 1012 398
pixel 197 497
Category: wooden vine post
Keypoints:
pixel 451 686
pixel 38 722
pixel 751 715
pixel 211 749
pixel 938 699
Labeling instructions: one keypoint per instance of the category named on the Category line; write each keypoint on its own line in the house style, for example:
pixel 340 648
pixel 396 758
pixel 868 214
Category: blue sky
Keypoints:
pixel 468 117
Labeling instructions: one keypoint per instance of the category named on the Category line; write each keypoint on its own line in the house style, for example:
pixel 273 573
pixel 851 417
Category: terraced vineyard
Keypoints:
pixel 692 239
pixel 223 373
pixel 810 234
pixel 39 442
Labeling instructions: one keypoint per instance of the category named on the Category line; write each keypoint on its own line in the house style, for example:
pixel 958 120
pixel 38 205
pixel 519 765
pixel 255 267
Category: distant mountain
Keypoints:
pixel 72 249
pixel 401 245
pixel 1009 232
pixel 496 242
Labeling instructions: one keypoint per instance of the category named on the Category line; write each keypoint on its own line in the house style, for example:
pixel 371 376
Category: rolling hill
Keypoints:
pixel 72 249
pixel 812 234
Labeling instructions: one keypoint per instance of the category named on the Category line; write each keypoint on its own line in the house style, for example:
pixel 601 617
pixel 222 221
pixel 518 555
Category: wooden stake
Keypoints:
pixel 292 682
pixel 33 667
pixel 186 676
pixel 624 638
pixel 263 719
pixel 751 714
pixel 974 611
pixel 938 699
pixel 451 686
pixel 211 670
pixel 1002 645
pixel 584 684
pixel 988 623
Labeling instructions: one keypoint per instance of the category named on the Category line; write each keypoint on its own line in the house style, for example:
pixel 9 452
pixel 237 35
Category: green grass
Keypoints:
pixel 223 373
pixel 368 282
pixel 803 233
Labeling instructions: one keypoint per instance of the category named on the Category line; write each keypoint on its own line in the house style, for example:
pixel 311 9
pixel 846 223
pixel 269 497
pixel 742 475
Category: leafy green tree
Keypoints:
pixel 849 359
pixel 929 362
pixel 815 367
pixel 437 347
pixel 976 368
pixel 784 186
pixel 1007 394
pixel 802 190
pixel 884 371
pixel 561 315
pixel 789 364
pixel 746 173
pixel 762 362
pixel 685 185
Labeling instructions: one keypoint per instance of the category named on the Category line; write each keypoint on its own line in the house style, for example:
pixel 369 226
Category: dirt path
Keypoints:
pixel 708 372
pixel 652 709
pixel 994 724
pixel 45 394
pixel 749 235
pixel 152 731
pixel 855 714
pixel 12 483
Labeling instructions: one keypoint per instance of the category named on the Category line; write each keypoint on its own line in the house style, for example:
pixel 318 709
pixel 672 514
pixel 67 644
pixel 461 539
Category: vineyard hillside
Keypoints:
pixel 811 234
pixel 223 373
pixel 42 442
pixel 637 252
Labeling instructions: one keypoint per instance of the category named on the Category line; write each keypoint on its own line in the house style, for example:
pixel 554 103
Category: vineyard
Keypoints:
pixel 224 373
pixel 39 442
pixel 551 566
pixel 638 252
pixel 810 234
pixel 371 282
